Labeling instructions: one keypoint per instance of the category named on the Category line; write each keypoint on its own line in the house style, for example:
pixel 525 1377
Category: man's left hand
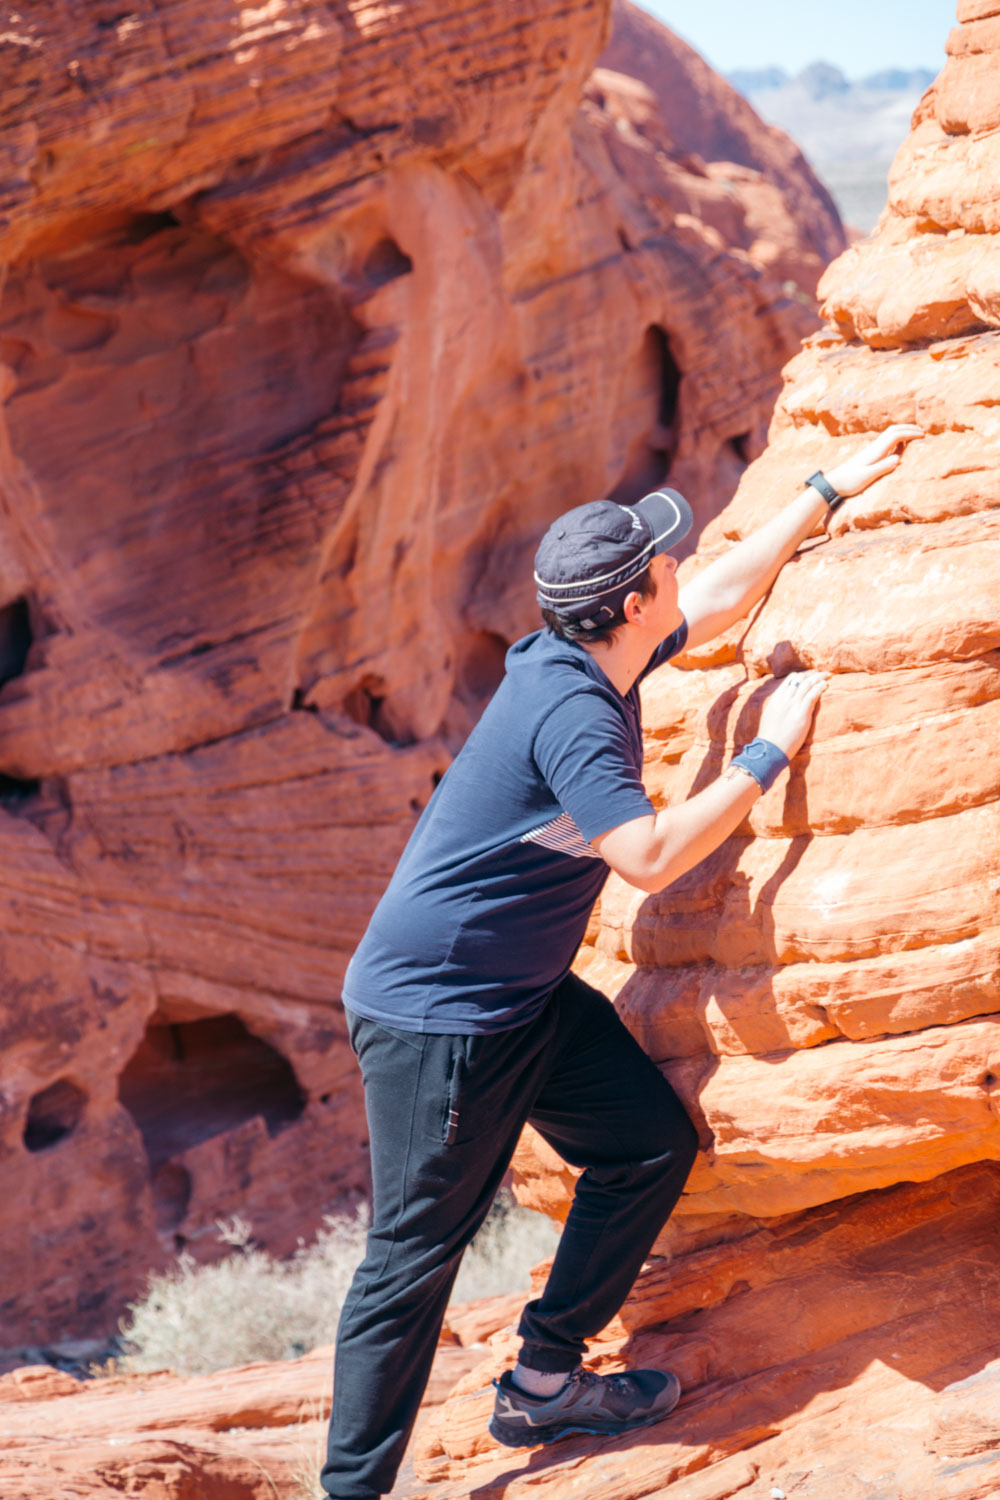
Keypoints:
pixel 875 459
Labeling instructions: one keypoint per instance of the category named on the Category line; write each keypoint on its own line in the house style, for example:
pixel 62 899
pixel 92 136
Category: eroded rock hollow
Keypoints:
pixel 314 315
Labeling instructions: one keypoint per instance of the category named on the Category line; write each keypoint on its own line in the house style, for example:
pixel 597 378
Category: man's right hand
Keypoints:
pixel 787 715
pixel 876 458
pixel 652 851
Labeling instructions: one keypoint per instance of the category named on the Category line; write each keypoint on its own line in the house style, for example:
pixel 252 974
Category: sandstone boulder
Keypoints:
pixel 251 1433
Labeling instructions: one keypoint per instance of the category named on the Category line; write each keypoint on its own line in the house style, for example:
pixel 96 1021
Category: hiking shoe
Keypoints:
pixel 598 1404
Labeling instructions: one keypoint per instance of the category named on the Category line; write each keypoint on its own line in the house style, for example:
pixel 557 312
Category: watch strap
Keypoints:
pixel 820 482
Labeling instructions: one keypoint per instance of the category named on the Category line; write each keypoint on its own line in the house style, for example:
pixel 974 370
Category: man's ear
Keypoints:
pixel 632 607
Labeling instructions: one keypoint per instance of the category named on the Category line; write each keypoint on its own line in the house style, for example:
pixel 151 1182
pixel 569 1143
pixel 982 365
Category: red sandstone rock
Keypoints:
pixel 246 1434
pixel 834 1352
pixel 835 1031
pixel 702 115
pixel 314 315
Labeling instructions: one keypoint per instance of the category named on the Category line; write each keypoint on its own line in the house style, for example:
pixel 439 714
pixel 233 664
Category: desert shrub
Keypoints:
pixel 512 1240
pixel 196 1318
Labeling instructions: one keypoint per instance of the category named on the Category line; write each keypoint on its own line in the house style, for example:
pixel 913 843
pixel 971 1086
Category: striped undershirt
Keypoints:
pixel 563 836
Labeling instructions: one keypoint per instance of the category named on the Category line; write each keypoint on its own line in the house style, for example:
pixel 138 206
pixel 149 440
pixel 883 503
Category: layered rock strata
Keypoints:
pixel 826 1354
pixel 825 990
pixel 252 1433
pixel 314 314
pixel 843 1351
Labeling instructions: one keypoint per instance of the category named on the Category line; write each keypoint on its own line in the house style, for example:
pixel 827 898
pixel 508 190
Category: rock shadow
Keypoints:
pixel 716 890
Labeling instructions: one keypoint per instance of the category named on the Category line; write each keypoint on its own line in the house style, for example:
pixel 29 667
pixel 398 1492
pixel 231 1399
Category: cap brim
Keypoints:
pixel 668 515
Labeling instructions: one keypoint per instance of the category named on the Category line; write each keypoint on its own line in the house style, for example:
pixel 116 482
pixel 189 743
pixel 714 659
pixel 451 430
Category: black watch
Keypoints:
pixel 820 482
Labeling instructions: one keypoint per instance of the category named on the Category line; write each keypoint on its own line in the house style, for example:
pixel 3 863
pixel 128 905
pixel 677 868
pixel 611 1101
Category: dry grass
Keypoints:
pixel 499 1260
pixel 249 1306
pixel 310 1454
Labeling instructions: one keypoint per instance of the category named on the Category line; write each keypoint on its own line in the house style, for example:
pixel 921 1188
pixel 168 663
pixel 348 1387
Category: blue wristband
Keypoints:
pixel 764 761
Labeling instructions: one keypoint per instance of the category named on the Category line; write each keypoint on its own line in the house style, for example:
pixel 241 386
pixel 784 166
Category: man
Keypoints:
pixel 461 1005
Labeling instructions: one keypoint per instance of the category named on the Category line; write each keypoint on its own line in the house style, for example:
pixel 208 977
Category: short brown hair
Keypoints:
pixel 643 584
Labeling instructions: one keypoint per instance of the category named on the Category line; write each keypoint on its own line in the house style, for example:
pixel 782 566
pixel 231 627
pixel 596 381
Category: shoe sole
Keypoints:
pixel 534 1436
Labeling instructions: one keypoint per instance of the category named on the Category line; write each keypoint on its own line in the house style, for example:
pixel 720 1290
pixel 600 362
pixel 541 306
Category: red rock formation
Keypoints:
pixel 783 222
pixel 824 990
pixel 805 1342
pixel 837 1352
pixel 252 1433
pixel 830 1353
pixel 314 315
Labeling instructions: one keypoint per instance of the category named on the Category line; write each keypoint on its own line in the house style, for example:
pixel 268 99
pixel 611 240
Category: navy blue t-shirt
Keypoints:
pixel 491 897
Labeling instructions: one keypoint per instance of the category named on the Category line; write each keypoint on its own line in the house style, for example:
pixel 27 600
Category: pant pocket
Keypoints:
pixel 481 1088
pixel 451 1116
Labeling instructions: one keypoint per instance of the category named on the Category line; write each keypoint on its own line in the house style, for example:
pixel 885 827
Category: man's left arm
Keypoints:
pixel 728 588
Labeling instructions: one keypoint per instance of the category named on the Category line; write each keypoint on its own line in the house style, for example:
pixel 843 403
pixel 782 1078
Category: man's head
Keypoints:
pixel 594 557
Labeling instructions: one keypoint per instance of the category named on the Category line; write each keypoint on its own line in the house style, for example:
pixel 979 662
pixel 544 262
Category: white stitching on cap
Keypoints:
pixel 550 589
pixel 626 572
pixel 600 577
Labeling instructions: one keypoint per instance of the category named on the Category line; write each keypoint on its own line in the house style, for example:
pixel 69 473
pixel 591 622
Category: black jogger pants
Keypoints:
pixel 444 1115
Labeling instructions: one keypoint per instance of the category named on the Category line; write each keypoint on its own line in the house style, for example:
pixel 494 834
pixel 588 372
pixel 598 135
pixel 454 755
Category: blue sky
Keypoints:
pixel 867 35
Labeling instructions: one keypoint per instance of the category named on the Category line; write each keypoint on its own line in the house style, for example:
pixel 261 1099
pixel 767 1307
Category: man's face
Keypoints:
pixel 665 608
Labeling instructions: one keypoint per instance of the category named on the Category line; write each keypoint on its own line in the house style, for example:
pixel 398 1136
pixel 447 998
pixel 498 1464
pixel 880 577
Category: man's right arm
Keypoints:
pixel 728 588
pixel 653 851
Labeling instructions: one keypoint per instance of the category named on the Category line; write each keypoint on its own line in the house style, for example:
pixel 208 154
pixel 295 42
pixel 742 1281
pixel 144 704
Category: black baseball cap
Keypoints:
pixel 589 557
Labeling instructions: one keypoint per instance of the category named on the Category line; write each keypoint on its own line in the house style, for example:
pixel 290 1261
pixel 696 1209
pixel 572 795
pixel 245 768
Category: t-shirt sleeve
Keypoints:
pixel 672 646
pixel 582 750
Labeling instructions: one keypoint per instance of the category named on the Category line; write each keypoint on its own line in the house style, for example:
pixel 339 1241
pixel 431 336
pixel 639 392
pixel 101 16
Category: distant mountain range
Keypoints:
pixel 849 129
pixel 822 80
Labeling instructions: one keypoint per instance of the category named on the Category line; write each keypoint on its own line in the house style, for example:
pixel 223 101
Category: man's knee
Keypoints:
pixel 674 1140
pixel 662 1161
pixel 666 1174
